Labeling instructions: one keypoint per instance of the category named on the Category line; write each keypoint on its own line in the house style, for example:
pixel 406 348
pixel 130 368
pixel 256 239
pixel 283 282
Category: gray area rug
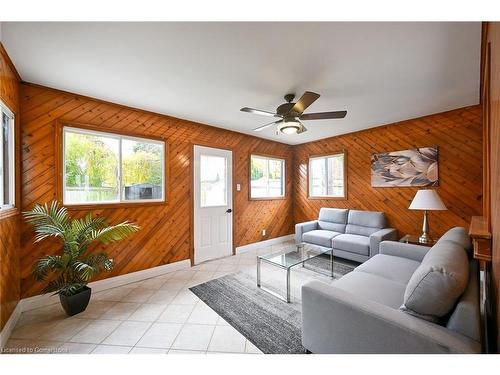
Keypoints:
pixel 272 325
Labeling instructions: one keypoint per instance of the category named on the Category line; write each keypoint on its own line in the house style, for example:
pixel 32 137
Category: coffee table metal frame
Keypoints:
pixel 313 252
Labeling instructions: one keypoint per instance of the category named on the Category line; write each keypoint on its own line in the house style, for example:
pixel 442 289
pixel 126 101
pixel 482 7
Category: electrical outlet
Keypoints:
pixel 263 232
pixel 238 187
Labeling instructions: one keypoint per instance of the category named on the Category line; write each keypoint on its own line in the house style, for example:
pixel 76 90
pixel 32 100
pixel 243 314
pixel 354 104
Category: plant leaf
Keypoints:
pixel 113 233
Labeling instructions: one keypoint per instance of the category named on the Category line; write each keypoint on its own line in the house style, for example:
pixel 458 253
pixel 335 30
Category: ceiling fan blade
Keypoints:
pixel 259 112
pixel 266 126
pixel 305 101
pixel 323 115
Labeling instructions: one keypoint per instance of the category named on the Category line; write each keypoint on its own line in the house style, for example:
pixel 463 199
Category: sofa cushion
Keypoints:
pixel 334 219
pixel 372 287
pixel 437 283
pixel 352 243
pixel 364 223
pixel 390 267
pixel 458 235
pixel 465 318
pixel 320 237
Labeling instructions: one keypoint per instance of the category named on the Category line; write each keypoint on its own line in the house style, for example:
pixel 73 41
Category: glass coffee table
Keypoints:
pixel 294 255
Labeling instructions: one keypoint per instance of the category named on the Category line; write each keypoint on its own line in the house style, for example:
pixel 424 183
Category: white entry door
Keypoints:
pixel 213 199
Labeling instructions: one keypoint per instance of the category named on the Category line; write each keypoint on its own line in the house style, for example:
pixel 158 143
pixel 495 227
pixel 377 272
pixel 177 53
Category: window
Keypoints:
pixel 7 159
pixel 326 176
pixel 213 181
pixel 267 177
pixel 110 168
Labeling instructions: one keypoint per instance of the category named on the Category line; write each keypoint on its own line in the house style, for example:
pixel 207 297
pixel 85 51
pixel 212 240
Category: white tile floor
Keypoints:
pixel 158 315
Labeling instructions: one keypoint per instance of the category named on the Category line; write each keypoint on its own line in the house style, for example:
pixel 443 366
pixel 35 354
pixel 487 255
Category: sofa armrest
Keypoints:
pixel 302 228
pixel 379 236
pixel 337 321
pixel 404 250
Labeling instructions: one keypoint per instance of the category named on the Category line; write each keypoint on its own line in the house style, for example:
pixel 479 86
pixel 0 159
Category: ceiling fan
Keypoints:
pixel 291 113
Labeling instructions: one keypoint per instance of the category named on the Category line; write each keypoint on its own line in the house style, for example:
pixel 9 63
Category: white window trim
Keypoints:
pixel 325 157
pixel 12 159
pixel 283 184
pixel 119 137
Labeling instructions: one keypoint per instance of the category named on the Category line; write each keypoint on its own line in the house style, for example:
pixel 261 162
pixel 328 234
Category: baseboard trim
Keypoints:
pixel 257 245
pixel 36 302
pixel 9 326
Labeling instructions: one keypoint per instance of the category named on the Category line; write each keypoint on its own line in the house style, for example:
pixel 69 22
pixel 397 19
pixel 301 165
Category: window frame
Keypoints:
pixel 309 175
pixel 283 182
pixel 11 208
pixel 111 133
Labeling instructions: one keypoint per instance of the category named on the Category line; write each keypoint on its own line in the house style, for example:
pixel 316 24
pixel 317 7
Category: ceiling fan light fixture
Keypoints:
pixel 290 113
pixel 290 126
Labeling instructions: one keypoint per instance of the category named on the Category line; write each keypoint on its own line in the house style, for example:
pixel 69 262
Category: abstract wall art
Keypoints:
pixel 407 168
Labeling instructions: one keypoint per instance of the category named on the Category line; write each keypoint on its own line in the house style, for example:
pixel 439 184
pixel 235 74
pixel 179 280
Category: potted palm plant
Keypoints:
pixel 70 270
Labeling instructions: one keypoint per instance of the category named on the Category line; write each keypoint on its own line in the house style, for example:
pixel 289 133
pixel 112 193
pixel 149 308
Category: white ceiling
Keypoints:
pixel 379 72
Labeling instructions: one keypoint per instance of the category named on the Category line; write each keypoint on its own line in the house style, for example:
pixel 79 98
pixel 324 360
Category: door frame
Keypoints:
pixel 191 194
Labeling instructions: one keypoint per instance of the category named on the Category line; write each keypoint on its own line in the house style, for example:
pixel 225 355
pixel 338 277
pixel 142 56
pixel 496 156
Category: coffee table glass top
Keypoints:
pixel 294 255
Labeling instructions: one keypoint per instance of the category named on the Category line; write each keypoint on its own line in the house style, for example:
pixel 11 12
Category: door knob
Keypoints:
pixel 229 210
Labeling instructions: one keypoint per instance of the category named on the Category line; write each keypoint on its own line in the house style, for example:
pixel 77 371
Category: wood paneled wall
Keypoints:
pixel 493 107
pixel 165 236
pixel 9 224
pixel 458 135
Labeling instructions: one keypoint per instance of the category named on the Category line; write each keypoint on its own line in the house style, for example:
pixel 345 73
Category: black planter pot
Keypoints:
pixel 77 303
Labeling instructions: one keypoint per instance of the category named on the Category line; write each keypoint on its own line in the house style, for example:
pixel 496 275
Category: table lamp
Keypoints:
pixel 426 200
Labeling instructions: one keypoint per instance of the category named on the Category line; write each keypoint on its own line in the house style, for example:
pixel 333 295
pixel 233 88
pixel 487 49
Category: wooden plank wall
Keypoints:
pixel 458 135
pixel 9 225
pixel 165 236
pixel 494 156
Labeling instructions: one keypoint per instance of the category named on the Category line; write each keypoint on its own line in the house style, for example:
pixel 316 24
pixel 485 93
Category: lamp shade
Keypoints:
pixel 427 200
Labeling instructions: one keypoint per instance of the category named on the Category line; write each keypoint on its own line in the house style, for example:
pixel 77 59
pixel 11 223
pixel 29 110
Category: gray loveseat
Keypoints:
pixel 407 299
pixel 352 234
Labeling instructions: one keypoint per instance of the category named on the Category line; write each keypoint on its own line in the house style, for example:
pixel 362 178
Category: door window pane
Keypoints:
pixel 142 169
pixel 91 168
pixel 326 176
pixel 266 177
pixel 213 184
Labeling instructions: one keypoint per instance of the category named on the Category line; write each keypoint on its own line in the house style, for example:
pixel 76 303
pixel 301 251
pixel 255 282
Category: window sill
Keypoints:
pixel 98 206
pixel 328 198
pixel 268 199
pixel 9 212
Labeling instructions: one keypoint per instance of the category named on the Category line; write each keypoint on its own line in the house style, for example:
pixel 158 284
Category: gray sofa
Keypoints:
pixel 352 234
pixel 407 299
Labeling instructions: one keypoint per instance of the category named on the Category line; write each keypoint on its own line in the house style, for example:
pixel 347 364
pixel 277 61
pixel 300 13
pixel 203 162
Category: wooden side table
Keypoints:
pixel 413 239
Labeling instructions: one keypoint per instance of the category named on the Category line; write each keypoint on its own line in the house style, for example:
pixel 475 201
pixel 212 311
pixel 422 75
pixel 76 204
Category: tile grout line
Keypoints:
pixel 156 321
pixel 205 275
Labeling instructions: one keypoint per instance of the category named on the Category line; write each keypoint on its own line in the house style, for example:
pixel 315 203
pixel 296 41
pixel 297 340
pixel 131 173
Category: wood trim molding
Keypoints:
pixel 483 62
pixel 58 152
pixel 9 212
pixel 485 95
pixel 481 238
pixel 9 62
